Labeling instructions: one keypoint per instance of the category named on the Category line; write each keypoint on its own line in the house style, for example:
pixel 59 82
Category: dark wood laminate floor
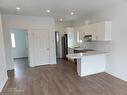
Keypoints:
pixel 60 79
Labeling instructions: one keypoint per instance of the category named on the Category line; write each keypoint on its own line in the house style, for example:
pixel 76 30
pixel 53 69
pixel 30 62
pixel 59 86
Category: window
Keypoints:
pixel 78 38
pixel 70 39
pixel 13 40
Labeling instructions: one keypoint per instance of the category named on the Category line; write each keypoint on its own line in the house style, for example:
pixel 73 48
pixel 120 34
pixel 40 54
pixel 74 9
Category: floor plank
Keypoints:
pixel 60 79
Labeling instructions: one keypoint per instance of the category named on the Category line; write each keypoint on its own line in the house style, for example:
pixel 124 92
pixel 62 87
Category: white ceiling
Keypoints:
pixel 59 8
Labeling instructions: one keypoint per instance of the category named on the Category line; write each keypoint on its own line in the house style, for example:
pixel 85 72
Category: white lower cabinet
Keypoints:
pixel 71 51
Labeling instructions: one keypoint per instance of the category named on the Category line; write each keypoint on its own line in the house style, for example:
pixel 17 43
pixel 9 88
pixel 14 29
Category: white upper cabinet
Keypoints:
pixel 99 31
pixel 104 31
pixel 88 30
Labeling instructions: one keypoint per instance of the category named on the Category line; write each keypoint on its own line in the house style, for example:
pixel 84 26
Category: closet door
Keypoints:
pixel 40 45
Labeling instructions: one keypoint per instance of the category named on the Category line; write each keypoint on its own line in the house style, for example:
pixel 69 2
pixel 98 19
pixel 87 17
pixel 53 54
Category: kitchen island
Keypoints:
pixel 90 62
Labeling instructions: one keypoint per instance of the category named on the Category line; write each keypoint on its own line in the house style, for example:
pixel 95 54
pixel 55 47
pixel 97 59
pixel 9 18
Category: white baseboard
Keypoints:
pixel 119 77
pixel 3 83
pixel 36 65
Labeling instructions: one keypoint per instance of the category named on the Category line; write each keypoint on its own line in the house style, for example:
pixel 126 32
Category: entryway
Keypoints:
pixel 19 43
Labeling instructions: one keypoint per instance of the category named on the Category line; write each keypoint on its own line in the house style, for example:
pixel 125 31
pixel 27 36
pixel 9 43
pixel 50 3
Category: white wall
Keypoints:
pixel 3 70
pixel 27 23
pixel 117 61
pixel 21 41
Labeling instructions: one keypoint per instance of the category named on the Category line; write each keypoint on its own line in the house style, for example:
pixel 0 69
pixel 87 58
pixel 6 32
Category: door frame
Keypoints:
pixel 11 43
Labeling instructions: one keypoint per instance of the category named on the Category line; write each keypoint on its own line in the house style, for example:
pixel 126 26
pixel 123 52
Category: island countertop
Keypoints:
pixel 88 53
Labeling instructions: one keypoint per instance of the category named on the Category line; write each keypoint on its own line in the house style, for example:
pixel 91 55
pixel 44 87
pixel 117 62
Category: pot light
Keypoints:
pixel 61 19
pixel 72 13
pixel 48 11
pixel 17 8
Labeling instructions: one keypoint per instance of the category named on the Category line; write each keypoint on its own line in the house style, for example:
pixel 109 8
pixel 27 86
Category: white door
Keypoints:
pixel 41 48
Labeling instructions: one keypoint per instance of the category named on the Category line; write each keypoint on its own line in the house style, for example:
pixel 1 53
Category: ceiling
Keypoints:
pixel 59 8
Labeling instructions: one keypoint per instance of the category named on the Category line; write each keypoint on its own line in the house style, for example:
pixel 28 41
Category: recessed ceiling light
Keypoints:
pixel 17 8
pixel 72 13
pixel 48 11
pixel 61 19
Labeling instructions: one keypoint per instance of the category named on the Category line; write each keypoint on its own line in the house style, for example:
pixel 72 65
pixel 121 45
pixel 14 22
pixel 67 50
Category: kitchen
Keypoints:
pixel 89 35
pixel 89 46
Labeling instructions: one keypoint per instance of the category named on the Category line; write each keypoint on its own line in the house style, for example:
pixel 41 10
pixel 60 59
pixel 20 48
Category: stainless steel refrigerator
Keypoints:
pixel 64 46
pixel 57 41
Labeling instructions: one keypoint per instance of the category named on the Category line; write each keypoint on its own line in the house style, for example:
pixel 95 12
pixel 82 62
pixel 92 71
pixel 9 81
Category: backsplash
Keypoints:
pixel 98 45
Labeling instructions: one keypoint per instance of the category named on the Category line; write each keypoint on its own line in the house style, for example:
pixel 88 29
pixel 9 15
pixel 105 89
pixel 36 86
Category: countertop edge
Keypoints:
pixel 90 53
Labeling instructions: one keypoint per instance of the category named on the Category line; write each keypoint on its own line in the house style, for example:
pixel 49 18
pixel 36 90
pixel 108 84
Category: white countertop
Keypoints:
pixel 81 48
pixel 88 53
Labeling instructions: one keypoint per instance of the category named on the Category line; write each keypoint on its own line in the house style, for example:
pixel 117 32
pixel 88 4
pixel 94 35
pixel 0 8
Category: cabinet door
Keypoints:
pixel 91 30
pixel 108 30
pixel 88 30
pixel 101 31
pixel 104 31
pixel 81 33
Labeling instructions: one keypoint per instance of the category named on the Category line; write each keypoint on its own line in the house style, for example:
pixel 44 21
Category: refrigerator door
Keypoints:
pixel 57 41
pixel 64 46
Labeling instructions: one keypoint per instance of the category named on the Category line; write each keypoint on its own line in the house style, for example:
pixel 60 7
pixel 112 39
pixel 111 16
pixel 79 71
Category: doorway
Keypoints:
pixel 19 43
